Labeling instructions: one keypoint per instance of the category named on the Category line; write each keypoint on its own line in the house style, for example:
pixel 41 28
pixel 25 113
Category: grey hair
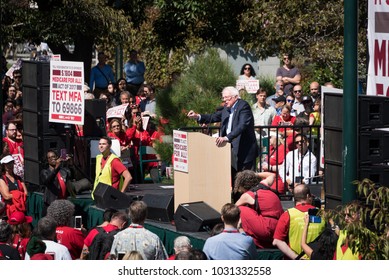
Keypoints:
pixel 61 210
pixel 182 242
pixel 231 90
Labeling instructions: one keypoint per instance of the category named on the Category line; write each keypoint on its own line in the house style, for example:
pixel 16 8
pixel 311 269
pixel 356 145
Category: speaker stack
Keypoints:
pixel 373 133
pixel 373 137
pixel 40 135
pixel 106 196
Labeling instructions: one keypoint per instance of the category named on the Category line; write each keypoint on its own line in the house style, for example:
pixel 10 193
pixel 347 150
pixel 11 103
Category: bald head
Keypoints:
pixel 314 89
pixel 302 194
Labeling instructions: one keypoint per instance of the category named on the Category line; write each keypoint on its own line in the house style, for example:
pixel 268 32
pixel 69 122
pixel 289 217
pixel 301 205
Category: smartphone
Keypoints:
pixel 298 179
pixel 63 153
pixel 77 222
pixel 313 217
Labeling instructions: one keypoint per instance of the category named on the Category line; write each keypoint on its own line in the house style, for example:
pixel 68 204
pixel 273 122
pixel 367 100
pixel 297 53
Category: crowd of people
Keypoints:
pixel 254 220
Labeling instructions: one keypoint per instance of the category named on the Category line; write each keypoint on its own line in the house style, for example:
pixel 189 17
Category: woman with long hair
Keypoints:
pixel 247 72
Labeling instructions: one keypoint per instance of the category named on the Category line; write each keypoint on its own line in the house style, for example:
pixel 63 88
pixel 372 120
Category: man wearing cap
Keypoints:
pixel 279 103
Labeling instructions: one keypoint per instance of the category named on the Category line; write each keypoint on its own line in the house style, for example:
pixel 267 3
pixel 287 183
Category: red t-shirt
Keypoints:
pixel 15 147
pixel 92 234
pixel 122 137
pixel 117 168
pixel 71 238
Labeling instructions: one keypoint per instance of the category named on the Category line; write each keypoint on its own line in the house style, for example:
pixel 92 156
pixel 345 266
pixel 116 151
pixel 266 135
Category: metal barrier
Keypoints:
pixel 266 151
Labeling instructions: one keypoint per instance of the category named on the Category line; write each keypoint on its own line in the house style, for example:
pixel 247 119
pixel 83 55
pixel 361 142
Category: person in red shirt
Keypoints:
pixel 62 211
pixel 118 221
pixel 12 145
pixel 285 120
pixel 21 227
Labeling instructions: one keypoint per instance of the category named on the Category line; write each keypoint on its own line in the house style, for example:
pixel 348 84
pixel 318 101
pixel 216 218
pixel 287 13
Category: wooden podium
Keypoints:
pixel 208 171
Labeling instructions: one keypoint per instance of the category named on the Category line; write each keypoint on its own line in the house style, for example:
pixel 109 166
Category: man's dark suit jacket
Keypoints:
pixel 241 137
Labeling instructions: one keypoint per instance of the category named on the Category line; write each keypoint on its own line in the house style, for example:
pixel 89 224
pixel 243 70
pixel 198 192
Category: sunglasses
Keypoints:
pixel 299 142
pixel 247 68
pixel 286 58
pixel 290 100
pixel 297 91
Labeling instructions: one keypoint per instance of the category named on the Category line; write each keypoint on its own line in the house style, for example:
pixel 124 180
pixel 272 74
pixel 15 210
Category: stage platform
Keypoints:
pixel 166 231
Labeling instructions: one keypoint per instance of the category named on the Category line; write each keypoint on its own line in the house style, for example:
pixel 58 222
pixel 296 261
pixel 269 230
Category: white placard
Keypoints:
pixel 180 150
pixel 117 111
pixel 251 85
pixel 66 92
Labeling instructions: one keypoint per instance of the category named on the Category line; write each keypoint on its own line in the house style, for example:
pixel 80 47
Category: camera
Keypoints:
pixel 298 179
pixel 313 217
pixel 138 114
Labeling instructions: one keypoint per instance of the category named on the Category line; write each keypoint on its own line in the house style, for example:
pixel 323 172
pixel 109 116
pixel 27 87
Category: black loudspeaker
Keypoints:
pixel 372 147
pixel 36 74
pixel 107 197
pixel 373 111
pixel 32 171
pixel 95 118
pixel 159 207
pixel 196 216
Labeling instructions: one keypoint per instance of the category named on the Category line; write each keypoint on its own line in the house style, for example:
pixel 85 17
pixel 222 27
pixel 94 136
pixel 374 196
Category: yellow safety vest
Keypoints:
pixel 296 227
pixel 348 254
pixel 104 175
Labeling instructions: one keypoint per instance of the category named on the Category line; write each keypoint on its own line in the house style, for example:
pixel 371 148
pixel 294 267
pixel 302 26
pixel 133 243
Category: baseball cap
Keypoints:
pixel 306 99
pixel 6 159
pixel 17 218
pixel 279 99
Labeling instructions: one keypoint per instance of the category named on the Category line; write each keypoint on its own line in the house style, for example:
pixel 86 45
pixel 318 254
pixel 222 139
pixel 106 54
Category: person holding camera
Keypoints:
pixel 54 178
pixel 290 227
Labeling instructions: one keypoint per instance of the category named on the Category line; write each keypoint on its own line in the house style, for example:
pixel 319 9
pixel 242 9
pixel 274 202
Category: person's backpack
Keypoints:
pixel 101 244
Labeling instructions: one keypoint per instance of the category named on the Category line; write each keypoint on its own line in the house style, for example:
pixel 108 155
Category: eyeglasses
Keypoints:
pixel 115 126
pixel 286 58
pixel 297 91
pixel 52 157
pixel 12 129
pixel 227 98
pixel 289 100
pixel 247 68
pixel 299 142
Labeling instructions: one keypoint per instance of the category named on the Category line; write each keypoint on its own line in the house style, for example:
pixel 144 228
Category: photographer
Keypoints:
pixel 54 178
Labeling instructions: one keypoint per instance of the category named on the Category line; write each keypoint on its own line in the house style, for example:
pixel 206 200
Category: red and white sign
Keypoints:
pixel 66 92
pixel 378 37
pixel 180 150
pixel 251 85
pixel 56 57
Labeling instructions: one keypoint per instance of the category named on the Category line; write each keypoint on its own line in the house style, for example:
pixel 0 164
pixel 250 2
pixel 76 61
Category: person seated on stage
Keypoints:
pixel 13 191
pixel 181 244
pixel 117 222
pixel 260 207
pixel 46 231
pixel 62 211
pixel 54 178
pixel 109 168
pixel 231 244
pixel 136 237
pixel 8 252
